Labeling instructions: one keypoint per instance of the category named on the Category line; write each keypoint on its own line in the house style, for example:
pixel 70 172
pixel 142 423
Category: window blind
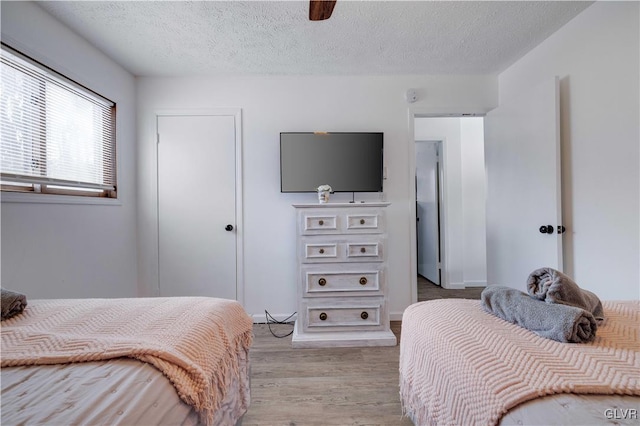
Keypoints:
pixel 54 132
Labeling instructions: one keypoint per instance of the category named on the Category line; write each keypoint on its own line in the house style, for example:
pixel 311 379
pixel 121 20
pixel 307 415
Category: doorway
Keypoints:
pixel 198 215
pixel 429 178
pixel 519 188
pixel 450 233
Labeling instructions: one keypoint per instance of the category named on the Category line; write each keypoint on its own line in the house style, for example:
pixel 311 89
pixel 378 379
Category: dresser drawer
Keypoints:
pixel 363 222
pixel 364 250
pixel 325 221
pixel 343 316
pixel 323 249
pixel 363 279
pixel 319 223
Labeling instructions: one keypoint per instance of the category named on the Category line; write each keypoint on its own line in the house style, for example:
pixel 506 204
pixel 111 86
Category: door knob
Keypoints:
pixel 546 229
pixel 228 228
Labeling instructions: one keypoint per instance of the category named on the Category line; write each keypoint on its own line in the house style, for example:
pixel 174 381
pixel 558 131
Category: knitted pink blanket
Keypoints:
pixel 194 341
pixel 461 365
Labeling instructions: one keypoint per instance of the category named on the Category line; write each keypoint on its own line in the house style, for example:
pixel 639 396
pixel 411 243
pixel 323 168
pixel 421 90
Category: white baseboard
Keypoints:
pixel 475 283
pixel 466 284
pixel 454 286
pixel 395 316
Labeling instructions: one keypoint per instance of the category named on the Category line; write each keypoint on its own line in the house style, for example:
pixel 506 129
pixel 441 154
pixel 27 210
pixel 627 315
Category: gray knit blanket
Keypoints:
pixel 12 303
pixel 562 323
pixel 553 286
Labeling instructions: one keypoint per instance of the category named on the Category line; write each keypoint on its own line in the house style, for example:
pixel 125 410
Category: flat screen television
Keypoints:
pixel 347 161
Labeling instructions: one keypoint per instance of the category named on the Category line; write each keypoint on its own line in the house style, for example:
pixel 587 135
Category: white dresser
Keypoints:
pixel 341 280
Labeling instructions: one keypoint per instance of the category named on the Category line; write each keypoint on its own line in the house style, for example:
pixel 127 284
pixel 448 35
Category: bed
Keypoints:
pixel 182 360
pixel 461 365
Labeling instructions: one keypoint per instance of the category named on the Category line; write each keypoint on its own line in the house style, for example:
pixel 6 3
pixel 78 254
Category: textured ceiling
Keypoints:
pixel 165 38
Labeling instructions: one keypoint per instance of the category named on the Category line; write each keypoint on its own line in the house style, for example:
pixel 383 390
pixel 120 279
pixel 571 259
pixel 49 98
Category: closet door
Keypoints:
pixel 197 205
pixel 522 156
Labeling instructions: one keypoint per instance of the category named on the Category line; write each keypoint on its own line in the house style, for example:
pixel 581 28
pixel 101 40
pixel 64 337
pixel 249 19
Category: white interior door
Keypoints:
pixel 522 157
pixel 196 203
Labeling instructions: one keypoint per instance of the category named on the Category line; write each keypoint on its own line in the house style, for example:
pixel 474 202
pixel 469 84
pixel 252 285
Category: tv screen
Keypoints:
pixel 348 162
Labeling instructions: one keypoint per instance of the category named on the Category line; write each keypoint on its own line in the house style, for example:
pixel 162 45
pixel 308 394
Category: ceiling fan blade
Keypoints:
pixel 319 10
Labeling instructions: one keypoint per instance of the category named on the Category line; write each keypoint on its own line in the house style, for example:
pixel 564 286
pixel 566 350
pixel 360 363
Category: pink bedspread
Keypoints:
pixel 194 341
pixel 461 365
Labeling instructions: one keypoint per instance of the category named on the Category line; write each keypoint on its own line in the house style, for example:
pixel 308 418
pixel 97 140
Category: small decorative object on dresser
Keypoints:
pixel 342 291
pixel 323 193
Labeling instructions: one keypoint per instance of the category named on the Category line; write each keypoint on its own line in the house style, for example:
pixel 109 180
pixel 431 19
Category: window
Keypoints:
pixel 56 136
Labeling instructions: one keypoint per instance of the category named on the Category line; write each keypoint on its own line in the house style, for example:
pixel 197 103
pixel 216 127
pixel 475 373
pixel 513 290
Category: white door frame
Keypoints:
pixel 239 228
pixel 433 113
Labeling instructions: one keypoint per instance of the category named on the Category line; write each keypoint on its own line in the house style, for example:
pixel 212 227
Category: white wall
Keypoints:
pixel 271 105
pixel 596 56
pixel 65 250
pixel 473 201
pixel 464 192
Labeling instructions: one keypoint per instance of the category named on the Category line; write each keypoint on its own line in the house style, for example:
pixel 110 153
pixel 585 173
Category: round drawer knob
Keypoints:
pixel 363 280
pixel 364 315
pixel 323 316
pixel 361 221
pixel 363 250
pixel 321 222
pixel 321 251
pixel 322 281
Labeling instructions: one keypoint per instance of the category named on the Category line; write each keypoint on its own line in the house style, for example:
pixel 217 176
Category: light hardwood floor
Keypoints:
pixel 429 291
pixel 334 386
